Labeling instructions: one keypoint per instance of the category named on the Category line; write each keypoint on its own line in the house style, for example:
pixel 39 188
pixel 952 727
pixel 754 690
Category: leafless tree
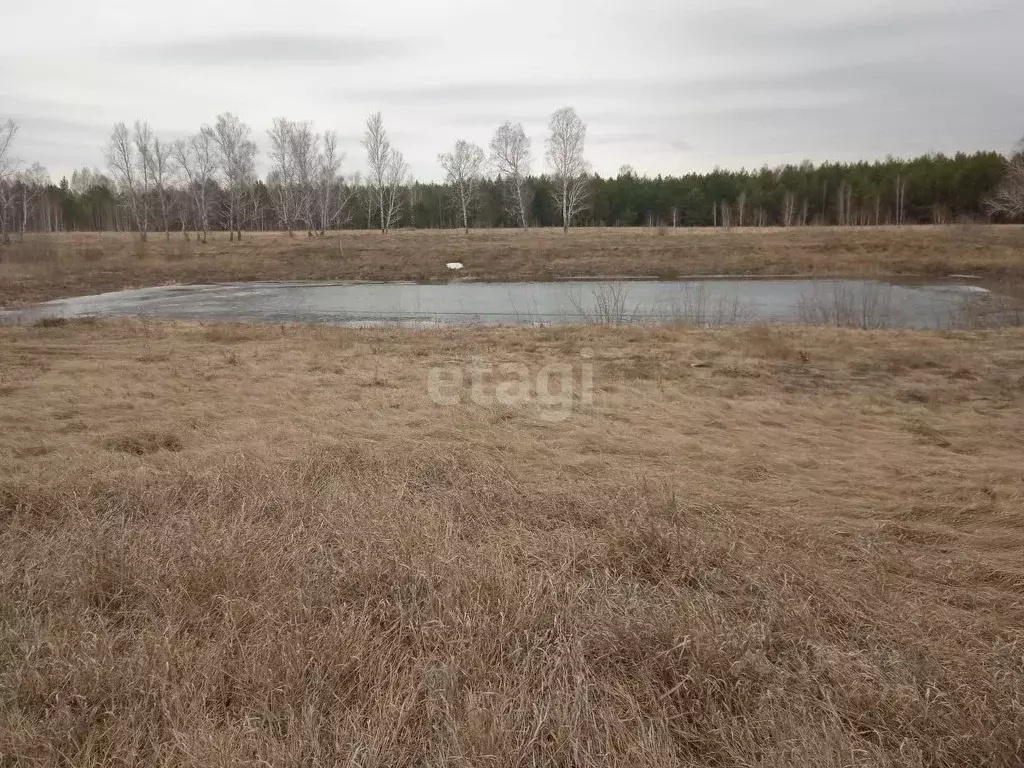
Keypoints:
pixel 8 130
pixel 143 138
pixel 130 158
pixel 84 179
pixel 236 161
pixel 463 167
pixel 901 196
pixel 31 183
pixel 387 172
pixel 366 197
pixel 8 167
pixel 1008 199
pixel 570 170
pixel 845 217
pixel 123 164
pixel 281 180
pixel 196 159
pixel 294 152
pixel 163 172
pixel 741 206
pixel 788 208
pixel 305 157
pixel 333 195
pixel 511 157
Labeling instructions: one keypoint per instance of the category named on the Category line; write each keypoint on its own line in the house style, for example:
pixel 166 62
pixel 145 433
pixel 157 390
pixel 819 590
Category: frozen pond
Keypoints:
pixel 862 303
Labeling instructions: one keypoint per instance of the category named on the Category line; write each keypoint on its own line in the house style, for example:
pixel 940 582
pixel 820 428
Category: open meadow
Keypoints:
pixel 75 264
pixel 271 545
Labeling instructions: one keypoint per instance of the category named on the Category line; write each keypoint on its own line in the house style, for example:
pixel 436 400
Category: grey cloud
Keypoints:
pixel 270 49
pixel 473 92
pixel 890 74
pixel 615 101
pixel 63 128
pixel 665 138
pixel 907 29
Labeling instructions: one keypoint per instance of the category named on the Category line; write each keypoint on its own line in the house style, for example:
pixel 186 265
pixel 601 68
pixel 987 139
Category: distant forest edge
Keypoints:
pixel 208 183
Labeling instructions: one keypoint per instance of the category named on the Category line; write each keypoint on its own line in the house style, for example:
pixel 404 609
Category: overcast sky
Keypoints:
pixel 668 86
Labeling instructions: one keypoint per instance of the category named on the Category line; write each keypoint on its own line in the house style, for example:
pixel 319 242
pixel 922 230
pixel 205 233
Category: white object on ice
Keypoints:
pixel 456 265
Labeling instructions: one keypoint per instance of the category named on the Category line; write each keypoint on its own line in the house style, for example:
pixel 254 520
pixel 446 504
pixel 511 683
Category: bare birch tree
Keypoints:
pixel 511 157
pixel 1008 199
pixel 305 151
pixel 901 194
pixel 570 170
pixel 143 138
pixel 120 156
pixel 463 167
pixel 332 194
pixel 726 217
pixel 366 197
pixel 741 206
pixel 130 158
pixel 236 162
pixel 845 210
pixel 163 172
pixel 281 180
pixel 788 208
pixel 8 167
pixel 197 161
pixel 31 184
pixel 387 172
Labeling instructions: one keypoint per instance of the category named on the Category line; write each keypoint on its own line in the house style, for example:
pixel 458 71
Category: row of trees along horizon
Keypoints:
pixel 208 182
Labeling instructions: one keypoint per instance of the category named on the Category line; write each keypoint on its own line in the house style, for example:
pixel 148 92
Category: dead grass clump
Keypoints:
pixel 141 442
pixel 230 334
pixel 178 250
pixel 91 254
pixel 32 451
pixel 51 322
pixel 917 395
pixel 153 357
pixel 916 425
pixel 771 343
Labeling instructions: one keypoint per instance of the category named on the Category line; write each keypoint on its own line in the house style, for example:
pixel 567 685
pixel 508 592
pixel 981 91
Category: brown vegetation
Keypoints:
pixel 230 545
pixel 46 267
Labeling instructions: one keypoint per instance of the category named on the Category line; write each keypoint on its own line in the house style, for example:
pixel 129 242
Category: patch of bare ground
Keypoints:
pixel 265 545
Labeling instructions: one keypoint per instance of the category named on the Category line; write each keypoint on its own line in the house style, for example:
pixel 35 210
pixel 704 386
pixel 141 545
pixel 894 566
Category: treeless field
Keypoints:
pixel 47 267
pixel 229 545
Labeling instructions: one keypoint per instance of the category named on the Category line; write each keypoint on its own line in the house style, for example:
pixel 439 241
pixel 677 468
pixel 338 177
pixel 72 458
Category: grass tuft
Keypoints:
pixel 139 443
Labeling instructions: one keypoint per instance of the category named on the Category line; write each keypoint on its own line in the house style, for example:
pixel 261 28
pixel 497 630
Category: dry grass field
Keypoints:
pixel 47 267
pixel 242 545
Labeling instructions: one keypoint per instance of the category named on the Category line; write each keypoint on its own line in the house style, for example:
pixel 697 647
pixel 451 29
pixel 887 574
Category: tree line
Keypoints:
pixel 208 182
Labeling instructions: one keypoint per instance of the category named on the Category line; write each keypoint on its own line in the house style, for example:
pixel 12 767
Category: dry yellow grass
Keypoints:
pixel 47 267
pixel 229 545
